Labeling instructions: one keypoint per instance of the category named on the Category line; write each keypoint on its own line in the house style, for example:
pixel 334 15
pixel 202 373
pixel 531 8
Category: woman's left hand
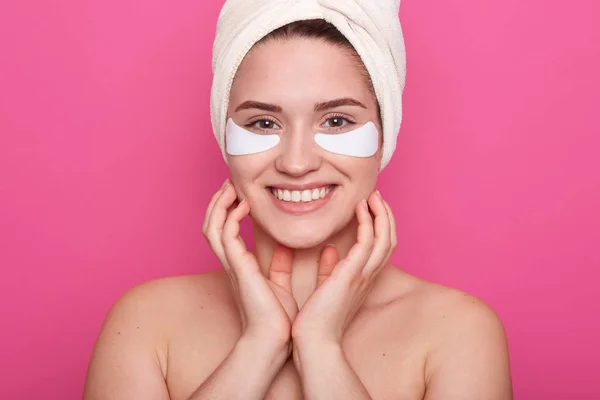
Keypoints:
pixel 342 286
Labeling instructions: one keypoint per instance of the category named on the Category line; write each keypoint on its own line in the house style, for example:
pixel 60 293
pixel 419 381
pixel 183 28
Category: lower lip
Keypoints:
pixel 300 208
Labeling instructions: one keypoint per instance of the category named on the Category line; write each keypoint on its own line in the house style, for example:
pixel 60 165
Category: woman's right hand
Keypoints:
pixel 267 307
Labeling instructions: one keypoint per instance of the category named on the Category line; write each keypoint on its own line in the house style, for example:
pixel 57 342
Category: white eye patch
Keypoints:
pixel 361 142
pixel 240 141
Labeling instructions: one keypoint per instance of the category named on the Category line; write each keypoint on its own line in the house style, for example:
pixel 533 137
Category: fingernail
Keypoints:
pixel 364 203
pixel 378 193
pixel 225 184
pixel 330 245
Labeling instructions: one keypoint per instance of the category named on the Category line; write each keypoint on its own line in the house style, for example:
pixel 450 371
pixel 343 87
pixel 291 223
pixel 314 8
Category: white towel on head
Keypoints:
pixel 372 27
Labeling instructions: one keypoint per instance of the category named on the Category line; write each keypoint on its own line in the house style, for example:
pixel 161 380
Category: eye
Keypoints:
pixel 337 122
pixel 263 124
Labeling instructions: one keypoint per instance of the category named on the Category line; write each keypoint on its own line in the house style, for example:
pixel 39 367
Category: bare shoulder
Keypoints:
pixel 139 327
pixel 162 304
pixel 446 309
pixel 454 311
pixel 467 350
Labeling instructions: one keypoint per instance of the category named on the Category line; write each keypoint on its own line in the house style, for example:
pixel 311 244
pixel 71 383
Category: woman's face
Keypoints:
pixel 291 88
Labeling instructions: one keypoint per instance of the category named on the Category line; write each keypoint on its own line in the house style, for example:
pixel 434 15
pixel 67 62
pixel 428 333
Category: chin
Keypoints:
pixel 300 242
pixel 301 234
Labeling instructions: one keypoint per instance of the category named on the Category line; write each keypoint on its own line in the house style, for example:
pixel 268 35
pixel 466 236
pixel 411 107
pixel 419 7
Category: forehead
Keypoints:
pixel 296 70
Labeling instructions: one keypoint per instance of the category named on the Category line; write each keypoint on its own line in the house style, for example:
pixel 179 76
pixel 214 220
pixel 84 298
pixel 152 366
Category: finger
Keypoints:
pixel 212 203
pixel 216 222
pixel 358 255
pixel 328 261
pixel 382 235
pixel 239 258
pixel 393 235
pixel 280 270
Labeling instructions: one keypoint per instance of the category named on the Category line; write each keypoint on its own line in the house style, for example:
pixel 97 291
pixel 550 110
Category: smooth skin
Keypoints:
pixel 316 311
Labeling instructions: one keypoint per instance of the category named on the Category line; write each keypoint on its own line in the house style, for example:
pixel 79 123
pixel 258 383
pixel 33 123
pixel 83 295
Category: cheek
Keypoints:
pixel 365 177
pixel 244 170
pixel 368 178
pixel 361 176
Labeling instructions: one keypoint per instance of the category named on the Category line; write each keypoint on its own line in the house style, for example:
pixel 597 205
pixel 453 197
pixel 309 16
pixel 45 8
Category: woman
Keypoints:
pixel 316 311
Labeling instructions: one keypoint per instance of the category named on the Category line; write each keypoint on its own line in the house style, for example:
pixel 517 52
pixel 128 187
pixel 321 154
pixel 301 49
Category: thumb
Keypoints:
pixel 280 270
pixel 329 259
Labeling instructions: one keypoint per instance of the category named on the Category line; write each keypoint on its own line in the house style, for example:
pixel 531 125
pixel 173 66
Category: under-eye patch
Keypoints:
pixel 240 141
pixel 361 142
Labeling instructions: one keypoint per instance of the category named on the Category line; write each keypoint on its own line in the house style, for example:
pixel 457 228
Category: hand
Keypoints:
pixel 266 306
pixel 342 286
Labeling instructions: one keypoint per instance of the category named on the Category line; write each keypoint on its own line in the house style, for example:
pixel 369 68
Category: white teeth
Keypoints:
pixel 296 196
pixel 305 196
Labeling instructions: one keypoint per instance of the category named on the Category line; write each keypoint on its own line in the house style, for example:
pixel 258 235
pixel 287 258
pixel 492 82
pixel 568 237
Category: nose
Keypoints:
pixel 299 155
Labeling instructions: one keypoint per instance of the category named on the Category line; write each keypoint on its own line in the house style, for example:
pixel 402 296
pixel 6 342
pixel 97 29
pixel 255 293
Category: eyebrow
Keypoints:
pixel 257 105
pixel 346 101
pixel 251 104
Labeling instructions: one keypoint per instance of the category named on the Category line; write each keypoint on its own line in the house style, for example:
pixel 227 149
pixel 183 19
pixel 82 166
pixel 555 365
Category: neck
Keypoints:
pixel 306 261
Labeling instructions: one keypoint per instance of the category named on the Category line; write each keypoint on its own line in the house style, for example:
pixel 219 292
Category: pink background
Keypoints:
pixel 107 162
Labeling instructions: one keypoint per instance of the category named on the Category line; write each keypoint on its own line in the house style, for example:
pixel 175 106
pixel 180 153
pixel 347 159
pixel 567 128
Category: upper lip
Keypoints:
pixel 305 186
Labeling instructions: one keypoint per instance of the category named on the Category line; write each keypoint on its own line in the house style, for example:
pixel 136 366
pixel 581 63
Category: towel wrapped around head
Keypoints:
pixel 371 26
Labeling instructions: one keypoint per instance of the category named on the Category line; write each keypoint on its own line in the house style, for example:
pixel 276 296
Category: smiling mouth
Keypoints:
pixel 301 196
